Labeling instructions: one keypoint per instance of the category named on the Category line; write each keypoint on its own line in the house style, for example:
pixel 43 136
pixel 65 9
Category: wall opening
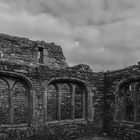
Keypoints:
pixel 15 100
pixel 67 99
pixel 40 55
pixel 128 101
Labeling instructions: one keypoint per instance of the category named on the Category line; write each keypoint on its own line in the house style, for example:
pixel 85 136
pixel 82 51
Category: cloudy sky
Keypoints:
pixel 102 33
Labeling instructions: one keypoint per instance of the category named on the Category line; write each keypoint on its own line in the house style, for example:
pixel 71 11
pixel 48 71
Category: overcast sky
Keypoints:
pixel 102 33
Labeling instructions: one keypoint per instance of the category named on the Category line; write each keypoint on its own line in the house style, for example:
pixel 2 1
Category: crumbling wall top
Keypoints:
pixel 23 50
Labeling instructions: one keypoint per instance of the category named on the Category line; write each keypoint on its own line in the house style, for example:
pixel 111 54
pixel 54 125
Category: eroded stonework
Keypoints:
pixel 42 97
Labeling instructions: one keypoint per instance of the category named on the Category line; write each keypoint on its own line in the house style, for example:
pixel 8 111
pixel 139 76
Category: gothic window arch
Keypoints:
pixel 79 102
pixel 67 100
pixel 20 103
pixel 128 101
pixel 52 103
pixel 4 102
pixel 14 101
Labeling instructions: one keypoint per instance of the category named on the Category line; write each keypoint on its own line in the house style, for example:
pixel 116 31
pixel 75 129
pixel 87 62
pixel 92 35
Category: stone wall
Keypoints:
pixel 36 65
pixel 25 51
pixel 113 125
pixel 21 60
pixel 41 75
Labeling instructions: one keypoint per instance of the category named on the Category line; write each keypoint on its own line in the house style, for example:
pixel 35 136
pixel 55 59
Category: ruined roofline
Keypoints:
pixel 31 43
pixel 55 57
pixel 135 68
pixel 15 48
pixel 24 39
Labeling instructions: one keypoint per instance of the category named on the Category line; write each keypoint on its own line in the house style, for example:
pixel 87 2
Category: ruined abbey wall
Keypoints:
pixel 34 77
pixel 25 51
pixel 116 115
pixel 41 96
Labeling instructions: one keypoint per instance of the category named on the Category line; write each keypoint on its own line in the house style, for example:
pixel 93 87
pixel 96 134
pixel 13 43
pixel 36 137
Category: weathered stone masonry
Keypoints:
pixel 39 89
pixel 40 95
pixel 122 102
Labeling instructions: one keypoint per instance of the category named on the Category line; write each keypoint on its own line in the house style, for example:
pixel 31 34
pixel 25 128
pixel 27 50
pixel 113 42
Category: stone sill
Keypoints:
pixel 82 121
pixel 130 124
pixel 135 131
pixel 14 126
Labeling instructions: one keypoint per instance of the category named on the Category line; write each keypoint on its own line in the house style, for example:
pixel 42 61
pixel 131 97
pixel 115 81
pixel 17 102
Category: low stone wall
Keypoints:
pixel 51 132
pixel 124 130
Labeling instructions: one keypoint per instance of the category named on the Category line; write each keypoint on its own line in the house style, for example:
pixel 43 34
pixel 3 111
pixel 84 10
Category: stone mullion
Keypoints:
pixel 45 100
pixel 135 102
pixel 27 93
pixel 123 111
pixel 83 103
pixel 73 101
pixel 59 103
pixel 31 107
pixel 11 111
pixel 137 106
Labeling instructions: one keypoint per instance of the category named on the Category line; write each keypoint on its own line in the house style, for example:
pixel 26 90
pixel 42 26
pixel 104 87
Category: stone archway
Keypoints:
pixel 71 82
pixel 128 100
pixel 16 98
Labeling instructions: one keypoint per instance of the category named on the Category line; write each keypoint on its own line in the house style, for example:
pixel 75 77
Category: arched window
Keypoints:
pixel 14 102
pixel 4 103
pixel 20 103
pixel 128 102
pixel 52 103
pixel 130 93
pixel 65 101
pixel 78 101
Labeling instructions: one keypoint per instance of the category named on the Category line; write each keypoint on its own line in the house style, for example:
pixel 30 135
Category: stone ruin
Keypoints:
pixel 41 96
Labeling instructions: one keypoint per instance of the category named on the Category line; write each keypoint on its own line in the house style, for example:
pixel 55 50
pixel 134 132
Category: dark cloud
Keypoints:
pixel 102 33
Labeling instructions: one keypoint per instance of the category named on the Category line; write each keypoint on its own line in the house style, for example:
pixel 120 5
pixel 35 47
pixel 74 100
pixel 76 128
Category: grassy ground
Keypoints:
pixel 98 138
